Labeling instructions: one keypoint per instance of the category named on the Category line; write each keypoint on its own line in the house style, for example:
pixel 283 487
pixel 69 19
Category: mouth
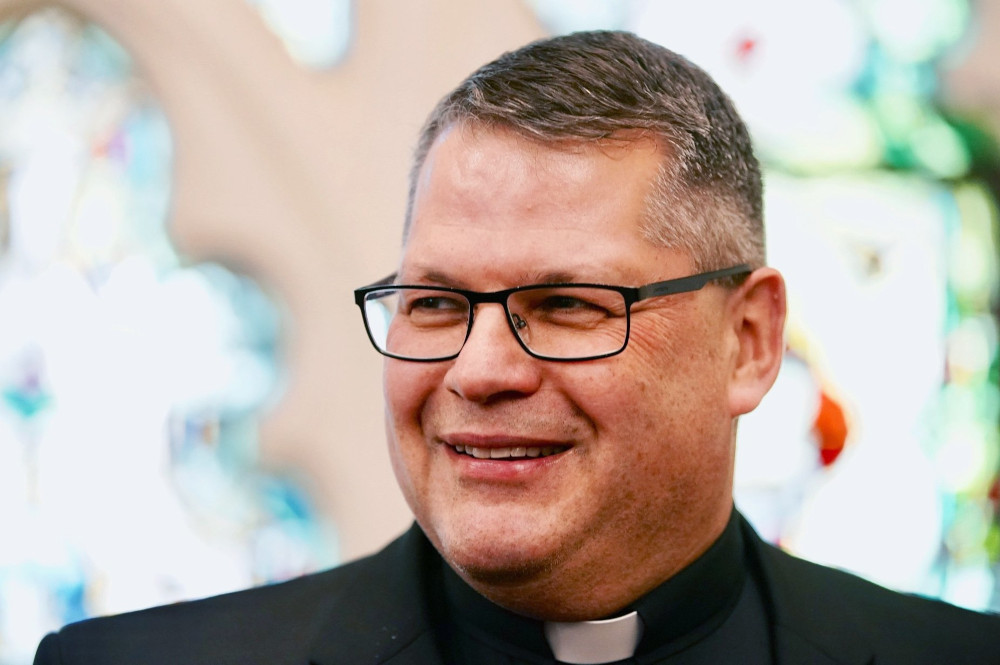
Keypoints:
pixel 508 453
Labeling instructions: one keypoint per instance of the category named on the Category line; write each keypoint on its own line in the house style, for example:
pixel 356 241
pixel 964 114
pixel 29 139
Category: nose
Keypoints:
pixel 492 364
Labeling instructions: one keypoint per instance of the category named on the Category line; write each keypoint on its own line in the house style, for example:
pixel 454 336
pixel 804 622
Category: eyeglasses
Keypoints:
pixel 562 322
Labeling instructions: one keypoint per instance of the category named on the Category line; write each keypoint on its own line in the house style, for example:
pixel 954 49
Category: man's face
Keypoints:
pixel 633 474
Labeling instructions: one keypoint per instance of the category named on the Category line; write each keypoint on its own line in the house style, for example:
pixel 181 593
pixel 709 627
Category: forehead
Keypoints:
pixel 494 202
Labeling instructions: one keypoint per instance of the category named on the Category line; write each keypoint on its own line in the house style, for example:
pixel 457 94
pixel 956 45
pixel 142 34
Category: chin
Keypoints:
pixel 499 567
pixel 496 557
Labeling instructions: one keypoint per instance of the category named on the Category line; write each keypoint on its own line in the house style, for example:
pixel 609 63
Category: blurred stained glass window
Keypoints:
pixel 131 380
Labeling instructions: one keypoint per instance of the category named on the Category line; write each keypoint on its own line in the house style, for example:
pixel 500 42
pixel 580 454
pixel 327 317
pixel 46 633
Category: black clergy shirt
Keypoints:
pixel 711 612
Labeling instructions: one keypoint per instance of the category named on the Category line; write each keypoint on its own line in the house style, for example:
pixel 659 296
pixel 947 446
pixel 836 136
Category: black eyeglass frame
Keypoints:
pixel 631 294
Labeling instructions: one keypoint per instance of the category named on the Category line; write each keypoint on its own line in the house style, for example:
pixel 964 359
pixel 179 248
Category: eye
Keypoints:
pixel 569 306
pixel 436 303
pixel 434 308
pixel 565 302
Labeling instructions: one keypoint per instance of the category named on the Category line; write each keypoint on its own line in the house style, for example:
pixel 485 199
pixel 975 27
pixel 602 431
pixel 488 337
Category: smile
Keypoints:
pixel 517 452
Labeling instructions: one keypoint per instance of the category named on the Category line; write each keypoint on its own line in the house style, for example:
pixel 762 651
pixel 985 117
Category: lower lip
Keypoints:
pixel 502 470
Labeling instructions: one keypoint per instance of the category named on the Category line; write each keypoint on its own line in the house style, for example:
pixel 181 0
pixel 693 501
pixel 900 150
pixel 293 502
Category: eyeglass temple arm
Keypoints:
pixel 692 283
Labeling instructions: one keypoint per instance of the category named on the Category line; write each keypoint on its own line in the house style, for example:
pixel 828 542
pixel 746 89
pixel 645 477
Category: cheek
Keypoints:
pixel 407 386
pixel 673 402
pixel 683 355
pixel 672 450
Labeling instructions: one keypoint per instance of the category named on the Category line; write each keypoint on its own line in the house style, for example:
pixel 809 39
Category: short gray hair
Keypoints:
pixel 594 86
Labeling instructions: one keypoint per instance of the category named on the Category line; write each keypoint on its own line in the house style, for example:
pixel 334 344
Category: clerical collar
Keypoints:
pixel 594 642
pixel 676 614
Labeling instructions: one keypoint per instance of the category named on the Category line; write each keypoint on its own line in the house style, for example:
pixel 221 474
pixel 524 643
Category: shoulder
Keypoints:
pixel 269 625
pixel 836 611
pixel 200 626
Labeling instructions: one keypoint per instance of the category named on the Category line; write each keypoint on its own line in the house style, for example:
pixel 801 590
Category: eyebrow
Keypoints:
pixel 433 277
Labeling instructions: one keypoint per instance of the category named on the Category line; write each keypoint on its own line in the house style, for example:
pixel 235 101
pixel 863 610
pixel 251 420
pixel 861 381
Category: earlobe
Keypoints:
pixel 758 320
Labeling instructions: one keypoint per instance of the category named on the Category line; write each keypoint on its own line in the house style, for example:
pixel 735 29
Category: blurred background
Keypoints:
pixel 189 192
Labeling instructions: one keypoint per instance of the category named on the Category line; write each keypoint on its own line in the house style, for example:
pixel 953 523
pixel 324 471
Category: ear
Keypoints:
pixel 757 311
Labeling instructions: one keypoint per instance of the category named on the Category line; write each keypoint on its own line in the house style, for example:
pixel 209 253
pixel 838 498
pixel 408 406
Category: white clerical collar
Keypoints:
pixel 592 642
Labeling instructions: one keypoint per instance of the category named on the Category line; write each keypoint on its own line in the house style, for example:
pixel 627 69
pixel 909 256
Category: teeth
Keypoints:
pixel 516 452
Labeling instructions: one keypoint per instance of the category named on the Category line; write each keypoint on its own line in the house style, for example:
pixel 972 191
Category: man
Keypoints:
pixel 581 314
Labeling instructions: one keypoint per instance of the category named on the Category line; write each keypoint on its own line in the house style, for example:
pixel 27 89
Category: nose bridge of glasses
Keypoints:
pixel 514 321
pixel 485 328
